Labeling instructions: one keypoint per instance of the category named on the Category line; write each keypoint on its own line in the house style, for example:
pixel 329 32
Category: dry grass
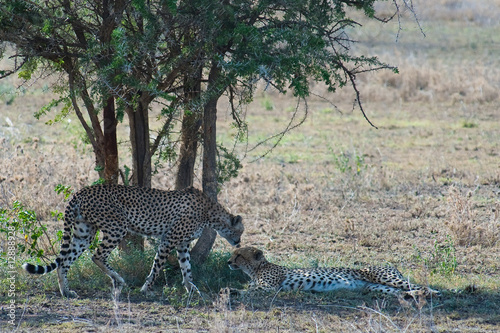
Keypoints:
pixel 468 228
pixel 420 193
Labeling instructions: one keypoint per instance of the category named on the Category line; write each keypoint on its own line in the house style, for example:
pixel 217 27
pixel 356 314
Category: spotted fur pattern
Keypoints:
pixel 266 275
pixel 174 217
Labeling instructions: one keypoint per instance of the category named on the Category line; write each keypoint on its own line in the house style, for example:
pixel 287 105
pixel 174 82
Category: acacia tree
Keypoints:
pixel 286 43
pixel 120 57
pixel 108 51
pixel 131 53
pixel 36 36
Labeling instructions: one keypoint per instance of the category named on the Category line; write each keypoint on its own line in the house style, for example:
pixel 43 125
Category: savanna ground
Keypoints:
pixel 421 193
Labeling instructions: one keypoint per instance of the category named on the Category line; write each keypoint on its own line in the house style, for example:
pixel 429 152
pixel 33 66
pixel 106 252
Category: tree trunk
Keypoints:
pixel 139 137
pixel 110 146
pixel 110 143
pixel 202 248
pixel 191 123
pixel 141 170
pixel 187 155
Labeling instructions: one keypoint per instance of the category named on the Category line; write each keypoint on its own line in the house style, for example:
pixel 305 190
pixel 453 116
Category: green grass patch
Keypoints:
pixel 215 274
pixel 469 124
pixel 267 103
pixel 86 278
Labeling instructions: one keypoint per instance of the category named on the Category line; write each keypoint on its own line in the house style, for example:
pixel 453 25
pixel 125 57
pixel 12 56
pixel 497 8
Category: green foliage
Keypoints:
pixel 301 41
pixel 167 152
pixel 469 124
pixel 228 165
pixel 126 175
pixel 28 69
pixel 442 260
pixel 19 220
pixel 290 44
pixel 267 103
pixel 59 216
pixel 99 168
pixel 64 189
pixel 349 163
pixel 65 110
pixel 241 127
pixel 99 181
pixel 209 277
pixel 95 243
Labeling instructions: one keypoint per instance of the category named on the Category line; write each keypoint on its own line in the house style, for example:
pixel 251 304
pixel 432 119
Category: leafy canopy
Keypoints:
pixel 143 51
pixel 121 47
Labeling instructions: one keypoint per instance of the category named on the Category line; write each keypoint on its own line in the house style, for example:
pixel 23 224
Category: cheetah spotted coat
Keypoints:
pixel 174 217
pixel 266 275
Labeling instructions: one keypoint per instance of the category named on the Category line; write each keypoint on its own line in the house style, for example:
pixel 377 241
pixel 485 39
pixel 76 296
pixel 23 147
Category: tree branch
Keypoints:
pixel 281 134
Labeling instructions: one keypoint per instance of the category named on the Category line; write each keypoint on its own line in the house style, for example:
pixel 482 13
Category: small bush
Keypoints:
pixel 468 124
pixel 19 220
pixel 268 104
pixel 349 163
pixel 442 259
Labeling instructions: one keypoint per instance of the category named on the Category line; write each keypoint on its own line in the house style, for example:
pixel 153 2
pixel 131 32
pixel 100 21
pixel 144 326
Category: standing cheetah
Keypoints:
pixel 175 217
pixel 266 275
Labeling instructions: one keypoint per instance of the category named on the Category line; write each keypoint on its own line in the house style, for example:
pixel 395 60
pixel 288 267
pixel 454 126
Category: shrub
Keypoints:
pixel 19 220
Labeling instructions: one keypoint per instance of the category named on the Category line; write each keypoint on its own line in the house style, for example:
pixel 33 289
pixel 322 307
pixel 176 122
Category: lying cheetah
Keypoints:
pixel 266 275
pixel 175 217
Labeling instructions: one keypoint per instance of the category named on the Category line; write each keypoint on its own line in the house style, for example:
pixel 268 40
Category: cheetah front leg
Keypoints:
pixel 161 256
pixel 183 257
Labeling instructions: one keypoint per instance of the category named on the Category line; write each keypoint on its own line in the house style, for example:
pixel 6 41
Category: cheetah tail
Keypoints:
pixel 36 269
pixel 69 217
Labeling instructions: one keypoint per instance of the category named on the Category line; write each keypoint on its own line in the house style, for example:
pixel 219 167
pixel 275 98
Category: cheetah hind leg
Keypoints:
pixel 161 256
pixel 83 234
pixel 100 258
pixel 184 256
pixel 395 279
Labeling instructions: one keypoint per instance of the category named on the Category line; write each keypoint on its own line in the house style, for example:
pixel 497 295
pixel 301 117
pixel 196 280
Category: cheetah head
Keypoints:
pixel 232 229
pixel 248 259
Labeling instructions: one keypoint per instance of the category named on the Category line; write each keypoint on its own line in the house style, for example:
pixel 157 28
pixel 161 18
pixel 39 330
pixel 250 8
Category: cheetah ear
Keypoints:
pixel 235 220
pixel 258 255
